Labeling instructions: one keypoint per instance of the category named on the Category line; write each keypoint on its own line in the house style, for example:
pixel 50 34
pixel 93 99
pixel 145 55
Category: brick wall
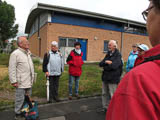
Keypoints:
pixel 130 39
pixel 34 42
pixel 94 47
pixel 52 31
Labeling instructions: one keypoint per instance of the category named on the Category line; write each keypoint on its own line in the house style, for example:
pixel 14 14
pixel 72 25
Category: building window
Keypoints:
pixel 68 42
pixel 135 30
pixel 106 45
pixel 71 42
pixel 62 42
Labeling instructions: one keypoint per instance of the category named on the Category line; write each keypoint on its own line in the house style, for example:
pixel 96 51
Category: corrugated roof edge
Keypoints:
pixel 41 6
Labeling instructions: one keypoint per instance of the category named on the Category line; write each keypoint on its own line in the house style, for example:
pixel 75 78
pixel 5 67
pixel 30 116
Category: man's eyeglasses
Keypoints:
pixel 145 13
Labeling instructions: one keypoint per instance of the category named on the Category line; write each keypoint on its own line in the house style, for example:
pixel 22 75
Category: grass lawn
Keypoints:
pixel 89 84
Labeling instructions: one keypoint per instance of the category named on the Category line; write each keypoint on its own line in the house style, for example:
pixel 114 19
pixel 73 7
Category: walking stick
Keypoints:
pixel 47 84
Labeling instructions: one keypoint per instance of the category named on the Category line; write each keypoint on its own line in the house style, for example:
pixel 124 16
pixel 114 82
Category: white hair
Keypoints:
pixel 54 43
pixel 114 43
pixel 18 41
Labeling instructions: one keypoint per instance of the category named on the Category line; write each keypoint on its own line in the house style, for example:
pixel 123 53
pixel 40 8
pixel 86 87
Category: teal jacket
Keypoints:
pixel 131 59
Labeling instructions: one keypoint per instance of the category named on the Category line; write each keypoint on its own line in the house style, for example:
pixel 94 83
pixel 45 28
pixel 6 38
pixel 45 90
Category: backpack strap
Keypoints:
pixel 157 57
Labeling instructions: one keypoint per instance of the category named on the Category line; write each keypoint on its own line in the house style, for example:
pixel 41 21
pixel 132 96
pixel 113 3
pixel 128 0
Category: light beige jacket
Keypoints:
pixel 21 69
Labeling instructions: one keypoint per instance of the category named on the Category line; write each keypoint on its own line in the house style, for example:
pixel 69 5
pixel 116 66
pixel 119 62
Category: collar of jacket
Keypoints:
pixel 134 53
pixel 51 52
pixel 24 51
pixel 153 51
pixel 112 53
pixel 76 53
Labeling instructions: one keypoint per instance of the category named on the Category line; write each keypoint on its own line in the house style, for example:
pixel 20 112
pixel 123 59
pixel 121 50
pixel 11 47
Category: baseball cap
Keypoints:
pixel 143 47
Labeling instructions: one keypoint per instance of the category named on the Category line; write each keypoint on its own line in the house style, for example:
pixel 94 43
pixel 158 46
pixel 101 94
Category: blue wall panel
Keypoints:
pixel 83 21
pixel 83 48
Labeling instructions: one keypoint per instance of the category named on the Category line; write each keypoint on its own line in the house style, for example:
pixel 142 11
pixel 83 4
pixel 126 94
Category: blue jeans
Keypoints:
pixel 71 79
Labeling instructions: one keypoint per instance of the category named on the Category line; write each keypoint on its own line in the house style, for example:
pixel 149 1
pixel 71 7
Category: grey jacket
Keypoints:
pixel 21 69
pixel 53 63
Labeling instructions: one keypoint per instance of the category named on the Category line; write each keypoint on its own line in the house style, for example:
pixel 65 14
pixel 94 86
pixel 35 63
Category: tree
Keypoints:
pixel 8 28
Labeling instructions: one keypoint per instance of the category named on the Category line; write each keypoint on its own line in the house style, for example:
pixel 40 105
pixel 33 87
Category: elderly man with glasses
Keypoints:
pixel 138 94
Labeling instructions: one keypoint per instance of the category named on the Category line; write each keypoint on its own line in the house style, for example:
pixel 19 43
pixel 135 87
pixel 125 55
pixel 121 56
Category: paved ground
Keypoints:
pixel 82 109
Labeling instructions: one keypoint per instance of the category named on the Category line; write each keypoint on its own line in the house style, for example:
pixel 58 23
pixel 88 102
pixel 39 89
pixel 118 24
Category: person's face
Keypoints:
pixel 153 24
pixel 77 47
pixel 24 44
pixel 141 52
pixel 134 48
pixel 54 48
pixel 111 46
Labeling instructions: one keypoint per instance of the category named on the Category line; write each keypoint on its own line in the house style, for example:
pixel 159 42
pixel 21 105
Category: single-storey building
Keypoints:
pixel 47 23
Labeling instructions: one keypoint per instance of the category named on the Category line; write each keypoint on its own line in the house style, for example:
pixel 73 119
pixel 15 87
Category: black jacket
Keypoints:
pixel 111 73
pixel 45 62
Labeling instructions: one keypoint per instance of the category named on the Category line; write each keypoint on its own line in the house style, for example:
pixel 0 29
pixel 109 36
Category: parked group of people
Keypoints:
pixel 137 96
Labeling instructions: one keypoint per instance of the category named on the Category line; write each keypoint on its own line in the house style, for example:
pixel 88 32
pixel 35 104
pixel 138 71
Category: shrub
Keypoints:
pixel 36 62
pixel 4 59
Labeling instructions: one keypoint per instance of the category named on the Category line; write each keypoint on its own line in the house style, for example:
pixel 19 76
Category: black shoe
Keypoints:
pixel 77 96
pixel 50 101
pixel 70 97
pixel 101 110
pixel 19 117
pixel 56 99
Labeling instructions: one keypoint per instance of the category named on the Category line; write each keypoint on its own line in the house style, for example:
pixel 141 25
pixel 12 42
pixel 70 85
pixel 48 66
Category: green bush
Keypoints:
pixel 4 59
pixel 36 62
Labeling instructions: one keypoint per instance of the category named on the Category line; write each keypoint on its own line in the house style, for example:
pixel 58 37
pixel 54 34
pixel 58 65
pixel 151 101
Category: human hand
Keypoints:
pixel 108 62
pixel 15 84
pixel 47 74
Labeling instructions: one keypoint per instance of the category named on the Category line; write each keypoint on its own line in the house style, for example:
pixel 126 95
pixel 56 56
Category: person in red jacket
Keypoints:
pixel 138 94
pixel 75 68
pixel 142 48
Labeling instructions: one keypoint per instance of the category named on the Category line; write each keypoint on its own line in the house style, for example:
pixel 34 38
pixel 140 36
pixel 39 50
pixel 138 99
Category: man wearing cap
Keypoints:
pixel 142 48
pixel 53 66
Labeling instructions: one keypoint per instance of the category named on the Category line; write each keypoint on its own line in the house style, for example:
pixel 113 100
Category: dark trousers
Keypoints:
pixel 53 87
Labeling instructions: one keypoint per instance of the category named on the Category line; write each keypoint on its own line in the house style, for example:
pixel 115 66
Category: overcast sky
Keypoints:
pixel 128 9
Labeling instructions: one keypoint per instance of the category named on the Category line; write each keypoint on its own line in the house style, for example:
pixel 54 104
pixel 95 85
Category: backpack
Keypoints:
pixel 30 109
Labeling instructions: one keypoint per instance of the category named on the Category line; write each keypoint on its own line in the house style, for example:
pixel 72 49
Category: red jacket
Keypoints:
pixel 138 94
pixel 75 63
pixel 138 60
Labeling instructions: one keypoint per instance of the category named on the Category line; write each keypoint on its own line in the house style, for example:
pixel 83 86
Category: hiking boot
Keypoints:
pixel 70 97
pixel 19 117
pixel 77 96
pixel 57 99
pixel 50 101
